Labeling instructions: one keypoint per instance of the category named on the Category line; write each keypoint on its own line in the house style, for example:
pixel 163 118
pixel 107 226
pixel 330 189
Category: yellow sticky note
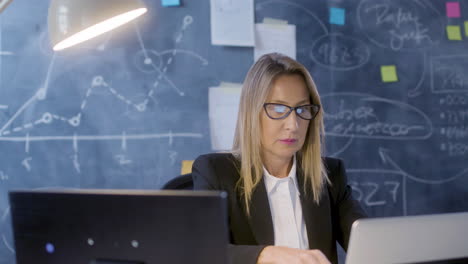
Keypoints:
pixel 389 73
pixel 466 28
pixel 454 33
pixel 186 166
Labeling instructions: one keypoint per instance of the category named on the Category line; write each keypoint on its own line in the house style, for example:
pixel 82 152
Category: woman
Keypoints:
pixel 284 198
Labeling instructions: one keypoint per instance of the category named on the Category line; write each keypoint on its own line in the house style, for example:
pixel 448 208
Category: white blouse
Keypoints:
pixel 286 210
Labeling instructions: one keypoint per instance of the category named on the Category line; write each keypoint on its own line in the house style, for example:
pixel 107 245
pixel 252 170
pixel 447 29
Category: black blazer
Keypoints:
pixel 326 223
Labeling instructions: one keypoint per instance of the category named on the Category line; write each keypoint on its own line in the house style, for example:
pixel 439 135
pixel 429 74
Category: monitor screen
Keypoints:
pixel 119 226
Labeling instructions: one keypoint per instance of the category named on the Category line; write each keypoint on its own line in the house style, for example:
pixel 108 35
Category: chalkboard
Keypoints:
pixel 124 110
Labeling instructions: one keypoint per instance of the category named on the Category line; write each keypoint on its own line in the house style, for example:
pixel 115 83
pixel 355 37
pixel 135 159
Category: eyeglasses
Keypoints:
pixel 281 111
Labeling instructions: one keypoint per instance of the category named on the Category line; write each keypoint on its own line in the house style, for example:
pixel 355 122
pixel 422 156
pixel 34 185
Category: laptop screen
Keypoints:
pixel 446 261
pixel 437 238
pixel 117 226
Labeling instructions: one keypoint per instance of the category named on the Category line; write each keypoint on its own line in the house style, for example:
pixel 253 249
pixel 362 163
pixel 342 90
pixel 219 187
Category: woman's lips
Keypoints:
pixel 288 141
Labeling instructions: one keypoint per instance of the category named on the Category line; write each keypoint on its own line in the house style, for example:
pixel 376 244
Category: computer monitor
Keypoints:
pixel 119 226
pixel 440 238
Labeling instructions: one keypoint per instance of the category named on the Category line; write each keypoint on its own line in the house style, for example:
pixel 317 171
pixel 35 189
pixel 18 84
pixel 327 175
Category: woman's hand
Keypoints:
pixel 280 255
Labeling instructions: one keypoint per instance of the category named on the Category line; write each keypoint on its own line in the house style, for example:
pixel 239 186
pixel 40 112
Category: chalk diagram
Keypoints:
pixel 145 60
pixel 398 26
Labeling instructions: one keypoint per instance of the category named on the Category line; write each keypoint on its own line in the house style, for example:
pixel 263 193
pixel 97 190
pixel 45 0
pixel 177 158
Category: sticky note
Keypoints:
pixel 186 166
pixel 170 2
pixel 337 16
pixel 453 9
pixel 454 33
pixel 389 73
pixel 466 28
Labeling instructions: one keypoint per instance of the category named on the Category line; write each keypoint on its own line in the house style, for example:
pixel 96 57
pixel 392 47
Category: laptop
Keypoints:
pixel 435 239
pixel 119 226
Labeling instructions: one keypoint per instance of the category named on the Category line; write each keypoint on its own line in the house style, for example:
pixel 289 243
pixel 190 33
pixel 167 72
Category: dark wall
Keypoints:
pixel 98 116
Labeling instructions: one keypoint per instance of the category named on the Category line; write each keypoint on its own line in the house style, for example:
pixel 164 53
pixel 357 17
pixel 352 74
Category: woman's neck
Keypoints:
pixel 278 167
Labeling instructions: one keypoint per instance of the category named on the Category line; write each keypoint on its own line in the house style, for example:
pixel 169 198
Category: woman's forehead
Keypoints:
pixel 289 89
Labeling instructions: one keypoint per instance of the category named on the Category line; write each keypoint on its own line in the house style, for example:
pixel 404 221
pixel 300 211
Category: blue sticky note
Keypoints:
pixel 337 16
pixel 170 2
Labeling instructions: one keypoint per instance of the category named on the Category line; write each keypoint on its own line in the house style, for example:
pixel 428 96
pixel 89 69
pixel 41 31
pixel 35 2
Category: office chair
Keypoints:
pixel 182 182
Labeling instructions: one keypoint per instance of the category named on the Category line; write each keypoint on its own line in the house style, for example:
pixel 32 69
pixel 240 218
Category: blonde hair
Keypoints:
pixel 247 138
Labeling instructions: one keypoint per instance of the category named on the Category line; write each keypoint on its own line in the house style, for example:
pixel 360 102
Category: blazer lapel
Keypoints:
pixel 314 215
pixel 260 216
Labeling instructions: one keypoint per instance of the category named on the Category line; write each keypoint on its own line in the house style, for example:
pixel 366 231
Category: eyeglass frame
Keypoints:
pixel 291 108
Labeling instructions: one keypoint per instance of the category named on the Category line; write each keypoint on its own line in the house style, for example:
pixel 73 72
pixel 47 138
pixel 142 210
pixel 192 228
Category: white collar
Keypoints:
pixel 271 181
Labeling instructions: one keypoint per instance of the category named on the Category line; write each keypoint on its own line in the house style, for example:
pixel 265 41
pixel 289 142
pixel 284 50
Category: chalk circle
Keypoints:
pixel 97 81
pixel 46 118
pixel 142 104
pixel 41 93
pixel 339 52
pixel 141 107
pixel 187 21
pixel 75 121
pixel 148 61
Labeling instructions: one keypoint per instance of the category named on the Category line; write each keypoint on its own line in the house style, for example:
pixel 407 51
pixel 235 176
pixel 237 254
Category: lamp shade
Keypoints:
pixel 75 21
pixel 3 4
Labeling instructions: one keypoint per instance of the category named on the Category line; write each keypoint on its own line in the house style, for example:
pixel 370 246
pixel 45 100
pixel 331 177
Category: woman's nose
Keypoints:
pixel 292 121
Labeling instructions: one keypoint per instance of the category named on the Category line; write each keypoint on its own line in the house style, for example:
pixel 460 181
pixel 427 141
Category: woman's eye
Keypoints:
pixel 280 109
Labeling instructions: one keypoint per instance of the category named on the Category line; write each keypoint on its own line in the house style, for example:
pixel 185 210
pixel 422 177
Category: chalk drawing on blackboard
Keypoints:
pixel 76 163
pixel 102 137
pixel 455 149
pixel 416 91
pixel 48 118
pixel 338 52
pixel 455 99
pixel 7 236
pixel 74 157
pixel 400 24
pixel 99 82
pixel 26 163
pixel 42 92
pixel 39 95
pixel 455 117
pixel 387 159
pixel 448 74
pixel 367 116
pixel 122 159
pixel 343 148
pixel 311 14
pixel 44 44
pixel 378 194
pixel 6 53
pixel 150 61
pixel 3 176
pixel 172 156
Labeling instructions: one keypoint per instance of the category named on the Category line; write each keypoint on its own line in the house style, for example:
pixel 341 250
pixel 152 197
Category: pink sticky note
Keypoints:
pixel 453 9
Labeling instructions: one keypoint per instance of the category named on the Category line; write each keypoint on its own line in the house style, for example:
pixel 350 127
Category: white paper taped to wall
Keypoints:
pixel 232 22
pixel 275 38
pixel 223 108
